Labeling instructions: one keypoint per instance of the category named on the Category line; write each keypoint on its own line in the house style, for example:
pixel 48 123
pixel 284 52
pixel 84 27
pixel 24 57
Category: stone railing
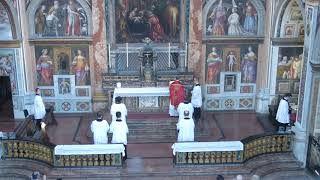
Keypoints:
pixel 266 143
pixel 88 155
pixel 227 152
pixel 24 149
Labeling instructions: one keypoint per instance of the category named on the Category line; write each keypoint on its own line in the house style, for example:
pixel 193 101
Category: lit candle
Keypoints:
pixel 109 55
pixel 186 56
pixel 169 56
pixel 127 55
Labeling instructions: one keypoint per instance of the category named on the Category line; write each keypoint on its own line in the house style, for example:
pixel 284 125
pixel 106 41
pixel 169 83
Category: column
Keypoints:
pixel 100 56
pixel 195 54
pixel 302 127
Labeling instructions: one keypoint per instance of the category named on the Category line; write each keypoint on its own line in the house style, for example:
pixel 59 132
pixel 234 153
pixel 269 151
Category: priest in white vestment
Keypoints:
pixel 186 128
pixel 118 106
pixel 196 100
pixel 100 128
pixel 119 130
pixel 283 113
pixel 39 108
pixel 185 106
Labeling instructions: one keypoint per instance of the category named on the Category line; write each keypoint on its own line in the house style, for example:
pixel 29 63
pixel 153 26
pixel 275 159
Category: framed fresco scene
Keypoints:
pixel 64 85
pixel 231 18
pixel 59 18
pixel 8 67
pixel 137 19
pixel 5 24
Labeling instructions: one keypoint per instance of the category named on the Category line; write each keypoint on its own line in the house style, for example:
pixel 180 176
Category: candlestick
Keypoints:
pixel 127 55
pixel 169 54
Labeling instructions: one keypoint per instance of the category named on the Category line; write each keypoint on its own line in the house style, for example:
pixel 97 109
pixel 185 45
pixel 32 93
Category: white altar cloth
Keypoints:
pixel 141 92
pixel 89 149
pixel 207 146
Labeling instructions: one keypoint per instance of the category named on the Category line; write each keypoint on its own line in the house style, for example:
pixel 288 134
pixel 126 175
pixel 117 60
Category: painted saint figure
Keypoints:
pixel 60 14
pixel 81 68
pixel 234 28
pixel 171 14
pixel 232 60
pixel 250 21
pixel 213 63
pixel 45 68
pixel 295 67
pixel 156 32
pixel 218 16
pixel 40 20
pixel 51 28
pixel 73 19
pixel 248 66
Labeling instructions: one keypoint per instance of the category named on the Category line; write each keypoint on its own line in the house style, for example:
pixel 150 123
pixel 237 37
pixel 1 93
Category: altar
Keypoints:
pixel 144 98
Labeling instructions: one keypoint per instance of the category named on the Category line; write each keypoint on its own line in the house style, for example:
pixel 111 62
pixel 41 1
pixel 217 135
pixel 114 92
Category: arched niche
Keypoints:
pixel 257 8
pixel 8 21
pixel 290 16
pixel 48 21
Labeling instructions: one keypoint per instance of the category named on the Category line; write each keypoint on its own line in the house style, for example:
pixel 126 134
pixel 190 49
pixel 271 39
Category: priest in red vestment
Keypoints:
pixel 177 96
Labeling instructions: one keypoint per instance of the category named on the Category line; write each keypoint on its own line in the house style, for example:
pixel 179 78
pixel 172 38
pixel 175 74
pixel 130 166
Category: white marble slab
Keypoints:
pixel 89 149
pixel 141 92
pixel 207 146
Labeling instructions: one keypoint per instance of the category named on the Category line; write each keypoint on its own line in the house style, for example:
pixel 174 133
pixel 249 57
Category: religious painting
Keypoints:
pixel 301 31
pixel 64 85
pixel 157 19
pixel 246 89
pixel 54 60
pixel 283 87
pixel 8 67
pixel 82 92
pixel 289 30
pixel 232 18
pixel 213 64
pixel 60 18
pixel 296 15
pixel 248 65
pixel 231 58
pixel 230 82
pixel 5 24
pixel 289 63
pixel 47 92
pixel 213 89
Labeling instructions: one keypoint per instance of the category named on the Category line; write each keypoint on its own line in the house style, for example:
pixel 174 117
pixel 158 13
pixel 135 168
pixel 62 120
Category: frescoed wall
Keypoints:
pixel 232 18
pixel 159 20
pixel 8 67
pixel 5 24
pixel 63 76
pixel 231 72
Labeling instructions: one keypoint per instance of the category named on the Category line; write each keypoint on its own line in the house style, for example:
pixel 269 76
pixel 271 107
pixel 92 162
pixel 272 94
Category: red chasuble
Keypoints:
pixel 177 93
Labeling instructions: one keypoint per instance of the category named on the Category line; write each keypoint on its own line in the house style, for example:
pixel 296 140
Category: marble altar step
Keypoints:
pixel 157 130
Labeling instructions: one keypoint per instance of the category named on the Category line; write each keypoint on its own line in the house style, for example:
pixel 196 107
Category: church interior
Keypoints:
pixel 82 54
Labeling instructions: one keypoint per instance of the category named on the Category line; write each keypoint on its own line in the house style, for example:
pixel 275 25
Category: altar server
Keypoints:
pixel 196 100
pixel 283 113
pixel 177 95
pixel 119 130
pixel 185 106
pixel 118 106
pixel 100 128
pixel 186 128
pixel 39 108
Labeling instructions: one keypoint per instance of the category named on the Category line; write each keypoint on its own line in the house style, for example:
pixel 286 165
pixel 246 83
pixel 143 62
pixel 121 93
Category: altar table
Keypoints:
pixel 141 92
pixel 89 149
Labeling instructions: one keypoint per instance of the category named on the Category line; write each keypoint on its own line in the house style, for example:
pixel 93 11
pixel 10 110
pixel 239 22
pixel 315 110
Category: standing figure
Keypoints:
pixel 39 108
pixel 73 19
pixel 196 99
pixel 283 113
pixel 119 130
pixel 118 106
pixel 51 28
pixel 185 106
pixel 177 95
pixel 214 64
pixel 40 20
pixel 232 60
pixel 250 21
pixel 100 128
pixel 60 14
pixel 80 68
pixel 171 15
pixel 234 28
pixel 218 16
pixel 248 66
pixel 45 68
pixel 186 128
pixel 156 32
pixel 295 68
